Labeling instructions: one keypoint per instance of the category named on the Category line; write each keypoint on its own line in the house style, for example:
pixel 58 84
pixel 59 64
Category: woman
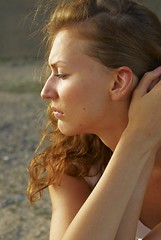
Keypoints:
pixel 103 161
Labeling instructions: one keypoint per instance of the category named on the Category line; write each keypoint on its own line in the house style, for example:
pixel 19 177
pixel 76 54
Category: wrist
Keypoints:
pixel 139 141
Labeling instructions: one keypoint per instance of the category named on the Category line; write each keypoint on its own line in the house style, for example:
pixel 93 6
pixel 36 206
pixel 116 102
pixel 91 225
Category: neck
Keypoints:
pixel 109 141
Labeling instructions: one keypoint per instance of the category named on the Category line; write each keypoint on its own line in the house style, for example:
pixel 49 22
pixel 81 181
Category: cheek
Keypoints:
pixel 72 94
pixel 80 96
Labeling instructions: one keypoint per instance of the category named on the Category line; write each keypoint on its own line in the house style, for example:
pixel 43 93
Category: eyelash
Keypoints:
pixel 60 75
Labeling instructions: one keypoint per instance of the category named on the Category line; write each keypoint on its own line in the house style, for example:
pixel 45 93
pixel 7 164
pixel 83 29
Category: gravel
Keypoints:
pixel 21 119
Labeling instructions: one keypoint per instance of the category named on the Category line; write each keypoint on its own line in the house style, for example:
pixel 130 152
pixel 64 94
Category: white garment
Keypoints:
pixel 142 230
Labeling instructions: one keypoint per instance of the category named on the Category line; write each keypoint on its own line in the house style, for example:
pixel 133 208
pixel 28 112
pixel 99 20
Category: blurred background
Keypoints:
pixel 22 115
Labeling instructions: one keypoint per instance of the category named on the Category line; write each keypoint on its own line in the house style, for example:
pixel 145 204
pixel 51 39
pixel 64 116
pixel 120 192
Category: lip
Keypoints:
pixel 57 113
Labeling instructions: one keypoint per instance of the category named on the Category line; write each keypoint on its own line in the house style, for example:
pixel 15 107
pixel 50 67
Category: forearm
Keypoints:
pixel 101 215
pixel 128 225
pixel 155 234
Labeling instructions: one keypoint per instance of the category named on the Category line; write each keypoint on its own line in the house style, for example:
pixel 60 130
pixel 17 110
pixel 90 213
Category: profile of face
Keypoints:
pixel 83 92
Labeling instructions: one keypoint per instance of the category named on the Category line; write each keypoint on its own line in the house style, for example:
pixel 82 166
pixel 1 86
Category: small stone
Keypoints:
pixel 6 158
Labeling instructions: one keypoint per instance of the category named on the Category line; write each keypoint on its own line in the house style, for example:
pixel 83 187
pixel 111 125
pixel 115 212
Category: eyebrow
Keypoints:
pixel 57 63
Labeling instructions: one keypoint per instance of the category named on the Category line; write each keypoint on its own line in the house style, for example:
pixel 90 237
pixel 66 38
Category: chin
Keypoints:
pixel 69 130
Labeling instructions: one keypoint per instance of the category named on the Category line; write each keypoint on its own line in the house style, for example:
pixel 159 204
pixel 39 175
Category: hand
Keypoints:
pixel 145 109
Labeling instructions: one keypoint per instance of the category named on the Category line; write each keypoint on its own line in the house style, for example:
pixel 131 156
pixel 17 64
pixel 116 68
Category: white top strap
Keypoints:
pixel 142 230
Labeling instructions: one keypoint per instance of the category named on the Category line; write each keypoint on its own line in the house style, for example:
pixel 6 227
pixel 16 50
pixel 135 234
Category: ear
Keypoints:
pixel 121 86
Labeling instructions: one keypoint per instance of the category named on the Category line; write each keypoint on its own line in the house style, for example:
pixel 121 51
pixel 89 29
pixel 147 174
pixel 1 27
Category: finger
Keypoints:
pixel 147 81
pixel 157 85
pixel 153 83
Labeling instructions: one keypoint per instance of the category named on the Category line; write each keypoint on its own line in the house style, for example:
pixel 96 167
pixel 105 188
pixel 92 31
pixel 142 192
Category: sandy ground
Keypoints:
pixel 21 117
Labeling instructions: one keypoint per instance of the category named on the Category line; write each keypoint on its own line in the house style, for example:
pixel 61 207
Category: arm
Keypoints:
pixel 155 234
pixel 128 226
pixel 71 196
pixel 72 193
pixel 101 214
pixel 103 211
pixel 67 199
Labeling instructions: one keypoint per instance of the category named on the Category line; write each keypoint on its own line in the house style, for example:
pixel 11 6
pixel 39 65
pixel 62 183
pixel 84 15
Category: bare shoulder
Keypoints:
pixel 70 190
pixel 67 199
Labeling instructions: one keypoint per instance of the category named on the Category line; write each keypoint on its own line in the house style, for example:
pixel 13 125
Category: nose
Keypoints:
pixel 49 91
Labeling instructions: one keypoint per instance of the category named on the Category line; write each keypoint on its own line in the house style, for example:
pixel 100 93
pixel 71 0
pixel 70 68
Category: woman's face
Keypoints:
pixel 77 87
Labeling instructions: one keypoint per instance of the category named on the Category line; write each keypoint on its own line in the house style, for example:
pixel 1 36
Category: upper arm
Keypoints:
pixel 67 199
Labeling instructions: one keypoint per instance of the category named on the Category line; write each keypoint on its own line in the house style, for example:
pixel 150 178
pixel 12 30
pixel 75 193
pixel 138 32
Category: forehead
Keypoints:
pixel 70 49
pixel 65 44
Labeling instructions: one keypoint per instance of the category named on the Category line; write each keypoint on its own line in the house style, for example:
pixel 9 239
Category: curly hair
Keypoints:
pixel 73 155
pixel 118 33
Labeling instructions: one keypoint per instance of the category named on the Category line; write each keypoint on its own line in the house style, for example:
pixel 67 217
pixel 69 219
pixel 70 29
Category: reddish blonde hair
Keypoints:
pixel 71 155
pixel 118 33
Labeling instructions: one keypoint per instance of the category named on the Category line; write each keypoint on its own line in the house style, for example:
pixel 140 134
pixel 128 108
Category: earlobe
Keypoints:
pixel 122 84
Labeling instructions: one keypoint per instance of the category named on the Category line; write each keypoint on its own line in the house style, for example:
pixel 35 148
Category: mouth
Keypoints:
pixel 57 113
